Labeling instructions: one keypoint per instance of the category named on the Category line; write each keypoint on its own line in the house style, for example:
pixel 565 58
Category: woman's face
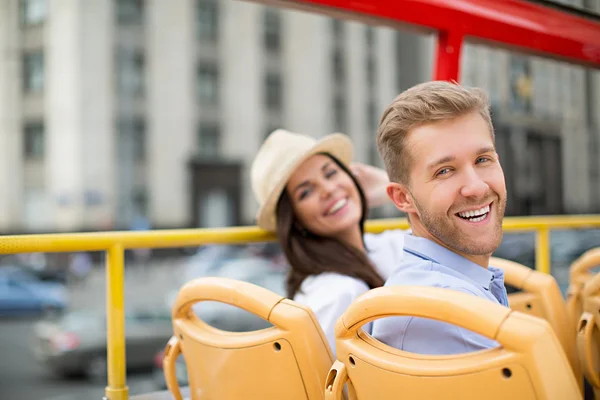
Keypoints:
pixel 324 197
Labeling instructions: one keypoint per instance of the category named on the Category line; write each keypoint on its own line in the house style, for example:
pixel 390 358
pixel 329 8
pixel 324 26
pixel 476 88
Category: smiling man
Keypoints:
pixel 437 142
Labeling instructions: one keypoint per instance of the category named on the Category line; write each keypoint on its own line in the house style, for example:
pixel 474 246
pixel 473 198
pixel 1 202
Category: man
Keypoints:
pixel 437 142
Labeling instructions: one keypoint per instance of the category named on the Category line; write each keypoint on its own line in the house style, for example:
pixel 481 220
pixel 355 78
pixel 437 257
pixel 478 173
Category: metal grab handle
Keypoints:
pixel 172 351
pixel 445 305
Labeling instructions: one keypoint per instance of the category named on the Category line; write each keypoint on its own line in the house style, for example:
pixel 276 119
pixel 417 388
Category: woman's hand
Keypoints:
pixel 373 181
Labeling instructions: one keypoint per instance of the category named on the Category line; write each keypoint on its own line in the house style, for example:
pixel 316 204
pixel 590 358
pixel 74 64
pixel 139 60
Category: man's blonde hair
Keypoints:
pixel 426 103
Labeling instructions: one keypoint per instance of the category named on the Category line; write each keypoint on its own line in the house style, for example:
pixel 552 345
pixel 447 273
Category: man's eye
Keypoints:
pixel 442 171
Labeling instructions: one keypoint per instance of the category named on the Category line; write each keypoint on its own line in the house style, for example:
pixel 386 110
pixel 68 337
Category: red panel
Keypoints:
pixel 447 66
pixel 530 27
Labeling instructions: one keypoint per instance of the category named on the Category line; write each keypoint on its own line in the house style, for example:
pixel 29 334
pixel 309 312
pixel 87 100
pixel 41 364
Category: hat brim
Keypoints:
pixel 336 144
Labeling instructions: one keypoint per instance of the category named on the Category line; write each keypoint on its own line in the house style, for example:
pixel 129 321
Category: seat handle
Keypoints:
pixel 445 305
pixel 172 351
pixel 588 260
pixel 585 330
pixel 336 379
pixel 244 295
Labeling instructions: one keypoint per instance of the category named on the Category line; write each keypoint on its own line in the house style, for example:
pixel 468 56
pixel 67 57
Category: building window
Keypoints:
pixel 209 140
pixel 337 29
pixel 207 20
pixel 370 70
pixel 140 201
pixel 372 115
pixel 207 85
pixel 521 84
pixel 339 70
pixel 130 11
pixel 34 143
pixel 133 137
pixel 33 71
pixel 370 36
pixel 272 24
pixel 131 71
pixel 33 12
pixel 340 114
pixel 273 91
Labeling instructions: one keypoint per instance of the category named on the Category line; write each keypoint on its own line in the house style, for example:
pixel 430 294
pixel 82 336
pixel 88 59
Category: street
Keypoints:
pixel 23 378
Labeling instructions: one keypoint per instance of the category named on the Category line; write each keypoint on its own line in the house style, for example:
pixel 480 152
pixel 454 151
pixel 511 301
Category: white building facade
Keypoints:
pixel 112 109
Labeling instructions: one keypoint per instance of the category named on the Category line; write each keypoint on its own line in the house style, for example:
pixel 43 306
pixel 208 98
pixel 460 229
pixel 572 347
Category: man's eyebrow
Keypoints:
pixel 442 160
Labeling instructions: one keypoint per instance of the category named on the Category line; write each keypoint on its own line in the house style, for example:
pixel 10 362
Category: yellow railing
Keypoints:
pixel 114 243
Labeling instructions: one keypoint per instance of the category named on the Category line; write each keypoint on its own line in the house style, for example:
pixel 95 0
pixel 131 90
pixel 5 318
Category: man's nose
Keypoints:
pixel 474 185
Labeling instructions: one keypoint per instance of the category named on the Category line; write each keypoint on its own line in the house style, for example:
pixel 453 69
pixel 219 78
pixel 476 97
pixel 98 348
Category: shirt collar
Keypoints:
pixel 428 249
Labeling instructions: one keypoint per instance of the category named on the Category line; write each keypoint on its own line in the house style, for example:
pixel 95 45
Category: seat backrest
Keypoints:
pixel 579 275
pixel 289 360
pixel 529 364
pixel 588 333
pixel 540 296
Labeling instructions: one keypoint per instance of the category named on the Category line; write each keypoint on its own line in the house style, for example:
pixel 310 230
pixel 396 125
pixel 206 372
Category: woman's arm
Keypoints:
pixel 373 180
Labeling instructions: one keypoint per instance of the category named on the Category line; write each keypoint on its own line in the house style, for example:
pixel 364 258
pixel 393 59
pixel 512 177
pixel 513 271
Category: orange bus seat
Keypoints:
pixel 588 333
pixel 540 296
pixel 580 274
pixel 529 364
pixel 289 360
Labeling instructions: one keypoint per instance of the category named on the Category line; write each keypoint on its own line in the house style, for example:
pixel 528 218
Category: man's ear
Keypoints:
pixel 401 197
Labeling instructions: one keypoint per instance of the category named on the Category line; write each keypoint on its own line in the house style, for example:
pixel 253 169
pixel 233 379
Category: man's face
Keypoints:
pixel 456 194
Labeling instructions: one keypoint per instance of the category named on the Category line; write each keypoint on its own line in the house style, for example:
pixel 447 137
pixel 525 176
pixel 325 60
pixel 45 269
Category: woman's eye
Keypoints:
pixel 304 194
pixel 330 173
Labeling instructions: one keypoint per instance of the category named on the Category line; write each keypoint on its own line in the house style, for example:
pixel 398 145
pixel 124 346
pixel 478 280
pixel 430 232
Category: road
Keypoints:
pixel 21 377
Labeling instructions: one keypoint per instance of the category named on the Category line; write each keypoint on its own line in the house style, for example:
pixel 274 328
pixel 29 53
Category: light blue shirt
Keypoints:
pixel 428 264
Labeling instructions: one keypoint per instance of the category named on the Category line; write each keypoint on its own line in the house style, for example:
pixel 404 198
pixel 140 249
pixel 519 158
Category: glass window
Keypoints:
pixel 131 70
pixel 33 71
pixel 33 12
pixel 129 11
pixel 207 85
pixel 521 84
pixel 272 24
pixel 209 140
pixel 134 130
pixel 34 140
pixel 207 20
pixel 273 91
pixel 340 114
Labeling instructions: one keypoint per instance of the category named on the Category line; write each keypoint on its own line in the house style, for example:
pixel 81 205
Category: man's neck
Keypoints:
pixel 420 231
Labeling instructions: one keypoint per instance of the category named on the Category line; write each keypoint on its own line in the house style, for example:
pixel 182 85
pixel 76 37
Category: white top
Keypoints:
pixel 329 294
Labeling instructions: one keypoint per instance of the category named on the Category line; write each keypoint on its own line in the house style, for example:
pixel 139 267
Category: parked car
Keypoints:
pixel 22 293
pixel 75 344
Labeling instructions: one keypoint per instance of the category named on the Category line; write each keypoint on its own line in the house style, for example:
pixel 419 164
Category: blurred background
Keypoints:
pixel 146 114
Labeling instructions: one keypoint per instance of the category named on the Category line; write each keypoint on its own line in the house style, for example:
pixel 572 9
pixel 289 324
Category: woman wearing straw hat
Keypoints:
pixel 308 196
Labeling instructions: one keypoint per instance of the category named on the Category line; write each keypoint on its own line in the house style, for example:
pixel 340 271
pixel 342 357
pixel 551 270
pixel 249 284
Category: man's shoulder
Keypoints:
pixel 421 272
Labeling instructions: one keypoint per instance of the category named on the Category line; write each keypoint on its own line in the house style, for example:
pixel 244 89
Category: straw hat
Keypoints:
pixel 281 153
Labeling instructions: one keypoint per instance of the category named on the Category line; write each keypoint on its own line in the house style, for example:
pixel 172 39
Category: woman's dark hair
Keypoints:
pixel 311 254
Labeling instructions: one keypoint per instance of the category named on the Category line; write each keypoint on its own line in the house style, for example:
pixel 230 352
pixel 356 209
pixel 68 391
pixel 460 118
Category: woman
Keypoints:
pixel 309 197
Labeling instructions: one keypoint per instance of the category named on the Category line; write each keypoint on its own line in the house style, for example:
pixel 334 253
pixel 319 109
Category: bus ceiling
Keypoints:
pixel 521 26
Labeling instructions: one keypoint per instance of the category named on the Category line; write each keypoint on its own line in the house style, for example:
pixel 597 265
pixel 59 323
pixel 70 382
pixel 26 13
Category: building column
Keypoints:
pixel 242 89
pixel 170 55
pixel 356 56
pixel 63 110
pixel 97 119
pixel 11 132
pixel 306 70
